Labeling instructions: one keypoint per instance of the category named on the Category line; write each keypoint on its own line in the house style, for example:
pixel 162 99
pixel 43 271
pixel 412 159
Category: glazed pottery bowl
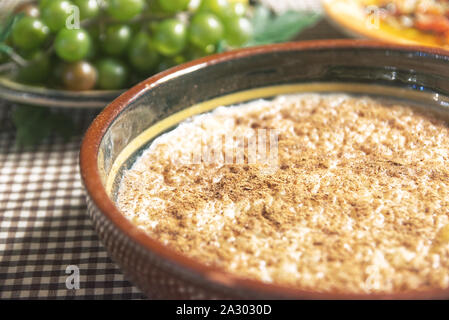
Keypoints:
pixel 127 126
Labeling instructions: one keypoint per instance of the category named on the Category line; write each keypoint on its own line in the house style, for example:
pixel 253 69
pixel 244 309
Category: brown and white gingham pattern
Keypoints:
pixel 44 226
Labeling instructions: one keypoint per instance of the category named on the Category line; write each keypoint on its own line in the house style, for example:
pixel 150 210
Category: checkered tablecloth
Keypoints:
pixel 44 227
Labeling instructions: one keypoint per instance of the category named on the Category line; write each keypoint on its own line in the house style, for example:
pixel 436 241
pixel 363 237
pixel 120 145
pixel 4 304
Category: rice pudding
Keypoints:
pixel 356 198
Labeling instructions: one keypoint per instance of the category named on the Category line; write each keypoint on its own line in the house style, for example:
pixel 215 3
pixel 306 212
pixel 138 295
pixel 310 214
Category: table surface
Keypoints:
pixel 44 227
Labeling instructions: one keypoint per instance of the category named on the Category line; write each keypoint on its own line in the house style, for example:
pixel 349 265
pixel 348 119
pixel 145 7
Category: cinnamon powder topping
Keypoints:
pixel 358 202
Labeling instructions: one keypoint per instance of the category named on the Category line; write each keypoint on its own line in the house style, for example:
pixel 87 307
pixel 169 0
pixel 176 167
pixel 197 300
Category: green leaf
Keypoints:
pixel 221 46
pixel 261 18
pixel 269 28
pixel 62 125
pixel 9 24
pixel 30 124
pixel 23 115
pixel 5 48
pixel 34 124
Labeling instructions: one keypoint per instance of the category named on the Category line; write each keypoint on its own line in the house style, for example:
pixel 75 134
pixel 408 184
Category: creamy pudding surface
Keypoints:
pixel 354 198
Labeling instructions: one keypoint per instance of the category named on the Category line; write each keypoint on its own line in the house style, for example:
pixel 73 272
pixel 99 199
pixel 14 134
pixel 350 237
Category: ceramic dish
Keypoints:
pixel 44 97
pixel 357 20
pixel 129 123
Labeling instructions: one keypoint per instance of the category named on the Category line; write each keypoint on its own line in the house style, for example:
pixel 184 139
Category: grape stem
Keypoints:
pixel 17 58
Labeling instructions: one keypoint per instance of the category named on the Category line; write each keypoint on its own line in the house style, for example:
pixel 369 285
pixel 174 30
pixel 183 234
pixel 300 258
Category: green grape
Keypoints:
pixel 179 59
pixel 170 37
pixel 238 9
pixel 44 3
pixel 193 5
pixel 142 54
pixel 88 8
pixel 220 8
pixel 124 10
pixel 72 44
pixel 193 52
pixel 112 74
pixel 205 29
pixel 116 39
pixel 37 69
pixel 29 33
pixel 239 30
pixel 56 13
pixel 173 5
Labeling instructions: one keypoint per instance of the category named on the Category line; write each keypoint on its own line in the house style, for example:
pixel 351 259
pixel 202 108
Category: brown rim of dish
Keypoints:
pixel 92 181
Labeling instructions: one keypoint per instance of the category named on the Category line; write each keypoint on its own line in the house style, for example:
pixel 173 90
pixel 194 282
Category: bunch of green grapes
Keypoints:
pixel 119 42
